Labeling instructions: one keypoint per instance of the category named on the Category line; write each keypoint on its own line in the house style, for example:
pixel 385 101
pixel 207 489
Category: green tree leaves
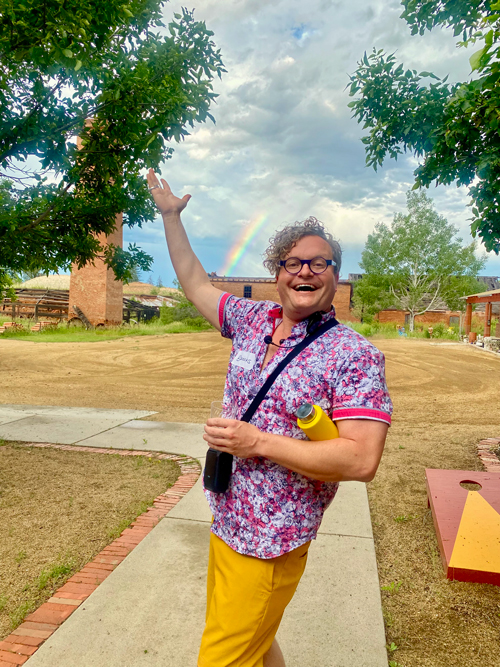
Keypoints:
pixel 452 128
pixel 101 72
pixel 418 261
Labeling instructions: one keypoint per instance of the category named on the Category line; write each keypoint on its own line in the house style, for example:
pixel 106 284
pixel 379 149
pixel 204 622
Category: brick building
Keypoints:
pixel 264 289
pixel 440 312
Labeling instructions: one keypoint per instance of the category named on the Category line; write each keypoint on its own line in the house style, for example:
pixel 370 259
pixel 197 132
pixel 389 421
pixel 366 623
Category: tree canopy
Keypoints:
pixel 111 74
pixel 418 261
pixel 453 128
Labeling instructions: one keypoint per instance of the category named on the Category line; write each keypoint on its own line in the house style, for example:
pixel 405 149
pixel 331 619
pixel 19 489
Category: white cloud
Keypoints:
pixel 284 144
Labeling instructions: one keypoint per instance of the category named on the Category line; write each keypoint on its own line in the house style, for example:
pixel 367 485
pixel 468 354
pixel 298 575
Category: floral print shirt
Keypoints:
pixel 268 509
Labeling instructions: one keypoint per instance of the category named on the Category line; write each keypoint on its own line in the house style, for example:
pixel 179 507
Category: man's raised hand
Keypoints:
pixel 166 202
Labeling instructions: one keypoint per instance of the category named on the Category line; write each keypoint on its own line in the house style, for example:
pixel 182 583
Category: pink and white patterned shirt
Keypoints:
pixel 268 509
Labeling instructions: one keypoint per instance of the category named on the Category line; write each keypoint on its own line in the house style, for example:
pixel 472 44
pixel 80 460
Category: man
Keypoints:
pixel 281 482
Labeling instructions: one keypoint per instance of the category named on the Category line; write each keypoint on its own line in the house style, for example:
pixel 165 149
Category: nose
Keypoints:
pixel 305 271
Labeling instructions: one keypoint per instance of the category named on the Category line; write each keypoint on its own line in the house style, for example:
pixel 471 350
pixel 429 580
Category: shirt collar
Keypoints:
pixel 299 330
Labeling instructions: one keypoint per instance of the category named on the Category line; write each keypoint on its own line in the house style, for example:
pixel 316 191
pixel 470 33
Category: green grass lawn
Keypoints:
pixel 63 334
pixel 377 330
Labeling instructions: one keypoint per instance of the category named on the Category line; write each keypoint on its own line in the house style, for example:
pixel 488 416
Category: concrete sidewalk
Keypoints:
pixel 150 610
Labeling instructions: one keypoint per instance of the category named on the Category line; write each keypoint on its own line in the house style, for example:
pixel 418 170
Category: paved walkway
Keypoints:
pixel 150 610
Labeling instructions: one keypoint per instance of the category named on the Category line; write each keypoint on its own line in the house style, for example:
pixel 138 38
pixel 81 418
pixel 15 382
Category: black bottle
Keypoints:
pixel 217 473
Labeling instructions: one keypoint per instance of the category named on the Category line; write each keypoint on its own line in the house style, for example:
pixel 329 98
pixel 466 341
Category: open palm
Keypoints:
pixel 163 197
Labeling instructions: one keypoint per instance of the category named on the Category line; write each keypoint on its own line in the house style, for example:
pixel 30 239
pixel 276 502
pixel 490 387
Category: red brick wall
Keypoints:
pixel 394 316
pixel 260 291
pixel 431 317
pixel 342 302
pixel 266 291
pixel 94 290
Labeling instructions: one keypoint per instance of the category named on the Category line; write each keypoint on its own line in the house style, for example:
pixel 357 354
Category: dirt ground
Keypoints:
pixel 178 375
pixel 446 398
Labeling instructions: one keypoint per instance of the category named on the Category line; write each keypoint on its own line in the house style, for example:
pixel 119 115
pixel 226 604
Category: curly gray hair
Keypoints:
pixel 285 239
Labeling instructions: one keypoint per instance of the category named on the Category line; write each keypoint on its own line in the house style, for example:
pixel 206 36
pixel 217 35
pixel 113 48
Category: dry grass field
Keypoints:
pixel 446 399
pixel 58 510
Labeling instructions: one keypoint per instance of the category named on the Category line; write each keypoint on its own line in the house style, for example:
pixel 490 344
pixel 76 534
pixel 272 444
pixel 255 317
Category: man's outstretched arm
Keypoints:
pixel 190 273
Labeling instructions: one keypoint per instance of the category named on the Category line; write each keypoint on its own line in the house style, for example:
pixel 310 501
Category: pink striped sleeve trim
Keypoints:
pixel 220 307
pixel 361 413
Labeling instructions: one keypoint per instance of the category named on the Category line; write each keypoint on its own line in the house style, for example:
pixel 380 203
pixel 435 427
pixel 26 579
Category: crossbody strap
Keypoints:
pixel 250 411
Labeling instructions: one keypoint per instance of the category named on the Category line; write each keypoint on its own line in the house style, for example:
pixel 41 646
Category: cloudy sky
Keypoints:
pixel 284 146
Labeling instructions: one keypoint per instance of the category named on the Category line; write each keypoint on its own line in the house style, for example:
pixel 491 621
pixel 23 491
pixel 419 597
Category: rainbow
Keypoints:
pixel 241 244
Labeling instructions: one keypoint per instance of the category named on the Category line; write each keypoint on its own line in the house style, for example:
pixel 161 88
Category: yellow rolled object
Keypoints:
pixel 315 423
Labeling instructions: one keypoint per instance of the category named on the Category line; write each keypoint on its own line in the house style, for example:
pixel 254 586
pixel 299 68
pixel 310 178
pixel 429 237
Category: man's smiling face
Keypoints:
pixel 305 293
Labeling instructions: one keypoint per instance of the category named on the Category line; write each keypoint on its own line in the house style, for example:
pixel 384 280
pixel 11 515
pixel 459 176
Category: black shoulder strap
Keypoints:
pixel 250 411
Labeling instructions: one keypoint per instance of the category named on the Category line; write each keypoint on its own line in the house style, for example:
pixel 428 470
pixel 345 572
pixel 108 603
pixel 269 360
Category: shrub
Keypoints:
pixel 198 322
pixel 183 312
pixel 441 330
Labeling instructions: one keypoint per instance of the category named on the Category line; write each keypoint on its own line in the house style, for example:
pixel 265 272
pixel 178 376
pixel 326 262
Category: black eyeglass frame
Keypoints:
pixel 329 262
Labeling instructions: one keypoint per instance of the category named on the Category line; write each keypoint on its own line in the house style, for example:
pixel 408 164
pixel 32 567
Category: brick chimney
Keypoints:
pixel 93 288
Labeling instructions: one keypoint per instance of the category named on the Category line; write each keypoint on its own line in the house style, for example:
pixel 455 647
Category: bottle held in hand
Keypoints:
pixel 218 465
pixel 315 423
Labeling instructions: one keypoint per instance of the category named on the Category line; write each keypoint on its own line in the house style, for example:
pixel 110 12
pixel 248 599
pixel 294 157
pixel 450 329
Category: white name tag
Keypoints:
pixel 244 360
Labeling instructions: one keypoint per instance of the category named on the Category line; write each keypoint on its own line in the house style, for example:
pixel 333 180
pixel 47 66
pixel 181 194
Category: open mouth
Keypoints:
pixel 305 288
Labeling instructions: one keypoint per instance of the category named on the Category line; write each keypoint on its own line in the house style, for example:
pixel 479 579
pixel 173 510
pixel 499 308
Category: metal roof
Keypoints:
pixel 491 292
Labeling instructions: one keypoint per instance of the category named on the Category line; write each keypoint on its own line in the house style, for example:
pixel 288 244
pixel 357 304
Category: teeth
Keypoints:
pixel 305 287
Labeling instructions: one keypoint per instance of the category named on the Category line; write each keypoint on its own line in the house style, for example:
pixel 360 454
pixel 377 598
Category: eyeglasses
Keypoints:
pixel 317 265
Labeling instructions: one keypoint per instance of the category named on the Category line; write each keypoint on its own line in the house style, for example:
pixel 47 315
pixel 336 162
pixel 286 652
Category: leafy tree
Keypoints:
pixel 371 294
pixel 29 274
pixel 453 128
pixel 134 274
pixel 104 72
pixel 420 259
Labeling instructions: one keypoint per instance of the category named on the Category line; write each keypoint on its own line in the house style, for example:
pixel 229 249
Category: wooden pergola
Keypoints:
pixel 488 298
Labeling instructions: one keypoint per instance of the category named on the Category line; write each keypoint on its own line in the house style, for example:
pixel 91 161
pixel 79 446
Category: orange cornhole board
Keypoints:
pixel 467 523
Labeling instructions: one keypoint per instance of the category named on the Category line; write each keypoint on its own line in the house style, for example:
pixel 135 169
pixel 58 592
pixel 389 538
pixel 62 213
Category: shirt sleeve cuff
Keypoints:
pixel 220 308
pixel 361 413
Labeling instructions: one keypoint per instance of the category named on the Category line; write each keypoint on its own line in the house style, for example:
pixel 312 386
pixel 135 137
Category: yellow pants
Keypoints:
pixel 246 598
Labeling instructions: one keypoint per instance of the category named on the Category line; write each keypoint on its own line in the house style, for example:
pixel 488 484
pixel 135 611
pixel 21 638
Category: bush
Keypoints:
pixel 441 330
pixel 184 312
pixel 198 322
pixel 166 314
pixel 374 328
pixel 366 330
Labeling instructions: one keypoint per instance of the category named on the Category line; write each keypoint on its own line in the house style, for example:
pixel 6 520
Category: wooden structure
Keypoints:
pixel 488 298
pixel 467 523
pixel 140 312
pixel 37 303
pixel 44 304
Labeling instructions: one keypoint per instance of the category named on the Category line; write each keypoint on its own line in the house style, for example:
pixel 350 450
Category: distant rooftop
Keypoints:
pixel 247 279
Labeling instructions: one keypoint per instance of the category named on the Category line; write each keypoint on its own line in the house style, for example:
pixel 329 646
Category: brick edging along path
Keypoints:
pixel 41 624
pixel 485 451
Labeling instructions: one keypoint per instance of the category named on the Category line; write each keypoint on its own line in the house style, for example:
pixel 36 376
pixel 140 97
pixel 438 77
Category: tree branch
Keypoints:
pixel 45 214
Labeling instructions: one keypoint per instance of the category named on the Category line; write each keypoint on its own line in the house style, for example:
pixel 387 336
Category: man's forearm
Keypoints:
pixel 336 460
pixel 187 266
